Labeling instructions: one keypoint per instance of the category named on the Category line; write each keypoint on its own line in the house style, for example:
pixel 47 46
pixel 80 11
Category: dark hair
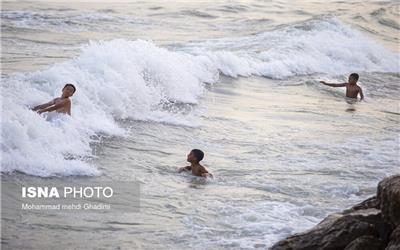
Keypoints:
pixel 70 84
pixel 355 76
pixel 198 154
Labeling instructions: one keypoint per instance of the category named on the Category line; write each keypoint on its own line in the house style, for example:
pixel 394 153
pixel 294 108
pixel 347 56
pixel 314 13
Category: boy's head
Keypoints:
pixel 353 78
pixel 195 156
pixel 68 90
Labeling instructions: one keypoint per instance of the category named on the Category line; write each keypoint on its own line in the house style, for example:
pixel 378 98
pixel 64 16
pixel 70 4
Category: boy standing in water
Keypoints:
pixel 60 104
pixel 352 89
pixel 194 157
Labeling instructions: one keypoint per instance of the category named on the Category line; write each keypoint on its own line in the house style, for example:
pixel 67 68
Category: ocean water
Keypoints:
pixel 237 79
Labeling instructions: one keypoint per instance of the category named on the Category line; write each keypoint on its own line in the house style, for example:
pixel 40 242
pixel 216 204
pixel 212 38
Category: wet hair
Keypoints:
pixel 198 154
pixel 70 85
pixel 355 76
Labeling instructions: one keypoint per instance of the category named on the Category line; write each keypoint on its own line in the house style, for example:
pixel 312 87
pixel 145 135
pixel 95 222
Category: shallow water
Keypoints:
pixel 236 79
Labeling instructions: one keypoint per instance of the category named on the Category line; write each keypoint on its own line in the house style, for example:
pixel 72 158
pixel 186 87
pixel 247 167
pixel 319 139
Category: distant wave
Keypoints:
pixel 390 23
pixel 63 20
pixel 325 46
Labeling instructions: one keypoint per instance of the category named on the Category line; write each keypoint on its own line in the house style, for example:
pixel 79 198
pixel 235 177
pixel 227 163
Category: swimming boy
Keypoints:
pixel 194 157
pixel 60 104
pixel 352 89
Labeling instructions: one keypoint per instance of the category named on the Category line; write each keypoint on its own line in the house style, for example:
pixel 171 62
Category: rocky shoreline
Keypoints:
pixel 373 224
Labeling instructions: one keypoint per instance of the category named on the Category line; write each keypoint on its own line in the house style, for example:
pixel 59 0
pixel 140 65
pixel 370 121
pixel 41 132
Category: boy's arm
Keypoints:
pixel 58 105
pixel 333 84
pixel 45 105
pixel 361 95
pixel 188 168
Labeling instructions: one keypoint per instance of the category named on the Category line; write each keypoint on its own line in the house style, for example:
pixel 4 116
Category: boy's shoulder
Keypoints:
pixel 202 167
pixel 65 100
pixel 199 166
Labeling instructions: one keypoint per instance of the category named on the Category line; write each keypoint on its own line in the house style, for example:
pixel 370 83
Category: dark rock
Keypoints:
pixel 366 242
pixel 372 202
pixel 334 232
pixel 394 243
pixel 366 226
pixel 388 196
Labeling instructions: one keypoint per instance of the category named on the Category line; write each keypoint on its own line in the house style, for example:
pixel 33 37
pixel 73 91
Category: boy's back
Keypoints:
pixel 198 170
pixel 352 90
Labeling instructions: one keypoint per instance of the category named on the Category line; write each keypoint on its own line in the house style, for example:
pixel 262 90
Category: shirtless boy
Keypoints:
pixel 352 89
pixel 194 157
pixel 60 104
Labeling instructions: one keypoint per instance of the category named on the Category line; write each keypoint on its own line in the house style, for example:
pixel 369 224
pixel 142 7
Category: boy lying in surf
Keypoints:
pixel 352 89
pixel 194 157
pixel 60 104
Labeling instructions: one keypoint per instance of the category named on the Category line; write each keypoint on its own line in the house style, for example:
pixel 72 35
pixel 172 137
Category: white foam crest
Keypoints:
pixel 115 80
pixel 121 79
pixel 321 46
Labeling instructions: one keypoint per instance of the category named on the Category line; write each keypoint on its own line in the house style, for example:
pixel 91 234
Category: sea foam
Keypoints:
pixel 122 79
pixel 115 80
pixel 317 46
